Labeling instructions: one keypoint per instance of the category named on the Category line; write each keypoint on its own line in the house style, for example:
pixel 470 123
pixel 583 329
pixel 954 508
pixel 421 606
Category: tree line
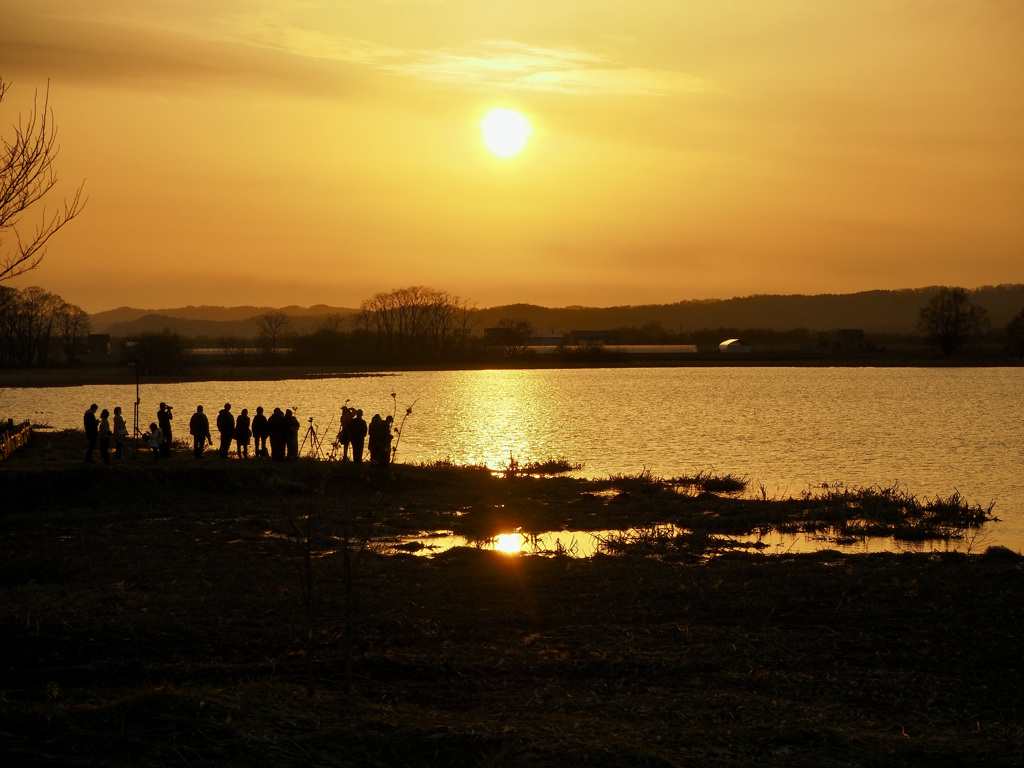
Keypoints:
pixel 421 325
pixel 40 328
pixel 952 321
pixel 415 324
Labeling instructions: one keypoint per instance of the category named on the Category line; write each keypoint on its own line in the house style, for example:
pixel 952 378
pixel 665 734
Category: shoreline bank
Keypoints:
pixel 103 375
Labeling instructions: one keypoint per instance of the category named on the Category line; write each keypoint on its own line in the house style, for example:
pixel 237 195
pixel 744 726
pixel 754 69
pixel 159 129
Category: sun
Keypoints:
pixel 505 131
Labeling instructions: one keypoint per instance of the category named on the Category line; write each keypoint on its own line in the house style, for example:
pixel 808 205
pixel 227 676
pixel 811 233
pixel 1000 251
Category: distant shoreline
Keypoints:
pixel 103 375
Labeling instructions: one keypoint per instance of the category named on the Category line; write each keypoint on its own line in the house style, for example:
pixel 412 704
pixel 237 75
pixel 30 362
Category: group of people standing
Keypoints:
pixel 99 430
pixel 280 430
pixel 355 431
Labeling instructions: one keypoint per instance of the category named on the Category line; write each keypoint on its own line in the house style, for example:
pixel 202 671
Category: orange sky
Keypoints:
pixel 275 152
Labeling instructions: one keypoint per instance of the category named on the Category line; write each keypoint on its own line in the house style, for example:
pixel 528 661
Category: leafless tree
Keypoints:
pixel 416 319
pixel 950 319
pixel 27 174
pixel 73 324
pixel 514 331
pixel 273 325
pixel 332 323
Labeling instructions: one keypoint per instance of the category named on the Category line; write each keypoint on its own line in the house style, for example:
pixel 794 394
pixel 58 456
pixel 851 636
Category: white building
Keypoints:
pixel 734 347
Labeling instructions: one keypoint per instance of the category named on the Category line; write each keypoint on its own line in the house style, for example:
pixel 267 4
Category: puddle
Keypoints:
pixel 583 544
pixel 572 543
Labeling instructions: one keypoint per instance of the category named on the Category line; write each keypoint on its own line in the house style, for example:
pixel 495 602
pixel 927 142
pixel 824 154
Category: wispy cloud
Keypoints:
pixel 489 63
pixel 151 34
pixel 631 80
pixel 269 33
pixel 508 64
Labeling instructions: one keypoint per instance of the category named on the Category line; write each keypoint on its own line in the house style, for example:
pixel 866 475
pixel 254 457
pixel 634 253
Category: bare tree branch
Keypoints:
pixel 272 325
pixel 27 175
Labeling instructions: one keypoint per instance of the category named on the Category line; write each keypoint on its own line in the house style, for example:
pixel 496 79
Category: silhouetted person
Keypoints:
pixel 92 430
pixel 120 432
pixel 379 432
pixel 375 438
pixel 163 419
pixel 347 414
pixel 276 433
pixel 291 425
pixel 388 436
pixel 226 427
pixel 357 434
pixel 199 428
pixel 104 433
pixel 259 433
pixel 155 438
pixel 243 434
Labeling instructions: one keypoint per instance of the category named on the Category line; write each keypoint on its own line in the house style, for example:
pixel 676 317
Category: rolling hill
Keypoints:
pixel 872 311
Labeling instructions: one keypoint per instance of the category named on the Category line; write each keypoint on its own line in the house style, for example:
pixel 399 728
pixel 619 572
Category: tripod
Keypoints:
pixel 335 445
pixel 313 440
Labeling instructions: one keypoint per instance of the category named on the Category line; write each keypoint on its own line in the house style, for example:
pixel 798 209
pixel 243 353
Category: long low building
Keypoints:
pixel 618 349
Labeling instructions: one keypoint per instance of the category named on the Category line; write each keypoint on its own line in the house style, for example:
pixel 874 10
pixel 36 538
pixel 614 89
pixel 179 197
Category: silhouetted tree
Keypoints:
pixel 951 320
pixel 26 176
pixel 30 324
pixel 1015 330
pixel 33 321
pixel 273 325
pixel 332 322
pixel 73 325
pixel 417 321
pixel 513 333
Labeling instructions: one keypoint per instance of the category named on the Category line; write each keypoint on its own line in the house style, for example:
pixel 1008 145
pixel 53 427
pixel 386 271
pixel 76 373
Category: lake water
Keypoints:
pixel 934 431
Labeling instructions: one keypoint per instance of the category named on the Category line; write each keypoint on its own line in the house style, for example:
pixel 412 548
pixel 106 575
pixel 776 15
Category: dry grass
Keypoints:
pixel 158 615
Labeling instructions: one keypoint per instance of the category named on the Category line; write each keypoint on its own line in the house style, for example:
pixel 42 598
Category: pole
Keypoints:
pixel 135 434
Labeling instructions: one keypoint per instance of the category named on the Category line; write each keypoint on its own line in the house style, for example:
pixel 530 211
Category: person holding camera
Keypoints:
pixel 163 419
pixel 344 439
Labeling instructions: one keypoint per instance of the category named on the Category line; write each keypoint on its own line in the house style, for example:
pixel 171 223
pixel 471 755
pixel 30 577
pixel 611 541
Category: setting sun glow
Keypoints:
pixel 599 155
pixel 509 543
pixel 505 131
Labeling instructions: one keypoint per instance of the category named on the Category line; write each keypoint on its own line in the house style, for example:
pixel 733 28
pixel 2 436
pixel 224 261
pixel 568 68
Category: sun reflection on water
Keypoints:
pixel 509 543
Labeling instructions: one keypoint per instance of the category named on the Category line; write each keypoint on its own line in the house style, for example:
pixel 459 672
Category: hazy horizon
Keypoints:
pixel 712 300
pixel 318 153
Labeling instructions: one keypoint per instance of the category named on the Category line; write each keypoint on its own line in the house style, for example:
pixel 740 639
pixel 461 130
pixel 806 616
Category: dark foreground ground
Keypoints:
pixel 231 614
